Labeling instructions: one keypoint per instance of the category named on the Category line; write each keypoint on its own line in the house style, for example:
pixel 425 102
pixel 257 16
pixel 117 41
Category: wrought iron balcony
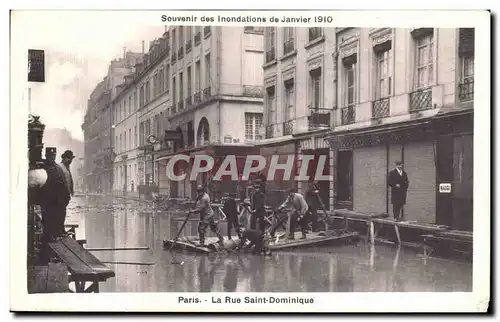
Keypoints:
pixel 188 101
pixel 319 120
pixel 269 131
pixel 180 53
pixel 206 31
pixel 315 33
pixel 421 100
pixel 288 46
pixel 270 54
pixel 207 92
pixel 197 38
pixel 466 91
pixel 180 106
pixel 288 128
pixel 348 115
pixel 197 97
pixel 254 30
pixel 380 108
pixel 189 46
pixel 253 91
pixel 173 58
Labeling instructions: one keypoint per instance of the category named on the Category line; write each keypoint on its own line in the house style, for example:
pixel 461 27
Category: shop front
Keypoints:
pixel 364 158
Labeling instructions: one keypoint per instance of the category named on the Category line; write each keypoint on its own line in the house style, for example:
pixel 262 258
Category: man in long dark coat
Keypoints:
pixel 55 197
pixel 398 181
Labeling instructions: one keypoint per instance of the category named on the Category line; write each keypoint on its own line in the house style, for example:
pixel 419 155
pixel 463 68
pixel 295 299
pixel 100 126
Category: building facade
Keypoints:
pixel 392 94
pixel 202 83
pixel 215 81
pixel 299 74
pixel 98 126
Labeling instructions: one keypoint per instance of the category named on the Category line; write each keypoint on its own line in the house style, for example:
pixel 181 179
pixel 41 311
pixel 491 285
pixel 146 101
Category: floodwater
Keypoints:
pixel 108 223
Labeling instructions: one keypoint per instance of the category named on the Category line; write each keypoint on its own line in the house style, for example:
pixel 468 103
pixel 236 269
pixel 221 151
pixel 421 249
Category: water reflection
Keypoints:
pixel 351 268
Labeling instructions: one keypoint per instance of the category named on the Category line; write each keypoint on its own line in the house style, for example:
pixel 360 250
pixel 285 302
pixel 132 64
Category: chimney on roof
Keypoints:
pixel 166 28
pixel 124 52
pixel 143 46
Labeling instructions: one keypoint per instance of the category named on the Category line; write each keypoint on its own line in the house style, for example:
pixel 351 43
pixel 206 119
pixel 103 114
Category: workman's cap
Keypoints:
pixel 50 151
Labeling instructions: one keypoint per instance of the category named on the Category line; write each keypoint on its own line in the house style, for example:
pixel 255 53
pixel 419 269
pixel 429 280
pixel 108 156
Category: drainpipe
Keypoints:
pixel 219 103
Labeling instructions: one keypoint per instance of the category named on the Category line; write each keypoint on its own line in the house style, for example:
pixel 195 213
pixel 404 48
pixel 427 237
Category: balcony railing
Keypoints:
pixel 174 108
pixel 189 101
pixel 466 91
pixel 288 46
pixel 348 115
pixel 270 54
pixel 207 92
pixel 380 108
pixel 189 46
pixel 315 33
pixel 180 106
pixel 421 100
pixel 173 58
pixel 180 53
pixel 197 97
pixel 288 128
pixel 319 120
pixel 254 30
pixel 206 31
pixel 269 131
pixel 197 38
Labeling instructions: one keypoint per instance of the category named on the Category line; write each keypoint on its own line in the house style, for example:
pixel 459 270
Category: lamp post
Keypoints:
pixel 152 141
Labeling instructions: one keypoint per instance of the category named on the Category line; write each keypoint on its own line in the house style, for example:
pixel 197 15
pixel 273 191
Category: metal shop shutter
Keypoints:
pixel 421 169
pixel 369 179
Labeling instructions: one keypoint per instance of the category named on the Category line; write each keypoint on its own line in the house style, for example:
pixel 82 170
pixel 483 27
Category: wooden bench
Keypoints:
pixel 82 265
pixel 71 230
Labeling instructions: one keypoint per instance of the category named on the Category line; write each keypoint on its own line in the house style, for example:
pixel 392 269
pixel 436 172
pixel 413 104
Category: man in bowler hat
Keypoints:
pixel 55 197
pixel 398 181
pixel 66 159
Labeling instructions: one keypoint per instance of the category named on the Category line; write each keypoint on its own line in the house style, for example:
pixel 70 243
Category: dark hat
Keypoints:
pixel 68 154
pixel 50 151
pixel 292 190
pixel 399 162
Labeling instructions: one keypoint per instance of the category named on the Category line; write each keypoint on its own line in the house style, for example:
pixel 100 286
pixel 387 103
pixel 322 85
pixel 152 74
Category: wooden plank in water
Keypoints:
pixel 310 241
pixel 462 235
pixel 354 214
pixel 188 246
pixel 409 224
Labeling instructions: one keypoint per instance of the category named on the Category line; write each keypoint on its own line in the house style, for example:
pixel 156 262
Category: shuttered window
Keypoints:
pixel 289 100
pixel 315 88
pixel 466 41
pixel 271 105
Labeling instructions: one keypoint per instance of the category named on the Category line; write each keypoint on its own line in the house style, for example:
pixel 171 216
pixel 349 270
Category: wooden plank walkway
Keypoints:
pixel 82 265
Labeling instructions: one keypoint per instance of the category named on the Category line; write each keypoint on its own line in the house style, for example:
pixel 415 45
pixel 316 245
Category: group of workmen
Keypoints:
pixel 238 209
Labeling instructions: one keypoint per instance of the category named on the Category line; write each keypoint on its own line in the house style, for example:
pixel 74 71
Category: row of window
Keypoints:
pixel 383 60
pixel 314 33
pixel 160 83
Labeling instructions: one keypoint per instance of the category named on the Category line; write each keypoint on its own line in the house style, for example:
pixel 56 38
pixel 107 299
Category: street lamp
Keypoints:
pixel 152 141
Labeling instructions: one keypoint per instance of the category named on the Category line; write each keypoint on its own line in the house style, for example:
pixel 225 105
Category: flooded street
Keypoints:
pixel 114 223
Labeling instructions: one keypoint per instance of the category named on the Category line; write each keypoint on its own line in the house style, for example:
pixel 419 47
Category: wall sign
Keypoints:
pixel 445 188
pixel 36 65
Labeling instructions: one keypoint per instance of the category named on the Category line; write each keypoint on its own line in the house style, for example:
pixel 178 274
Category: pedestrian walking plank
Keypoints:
pixel 312 239
pixel 82 265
